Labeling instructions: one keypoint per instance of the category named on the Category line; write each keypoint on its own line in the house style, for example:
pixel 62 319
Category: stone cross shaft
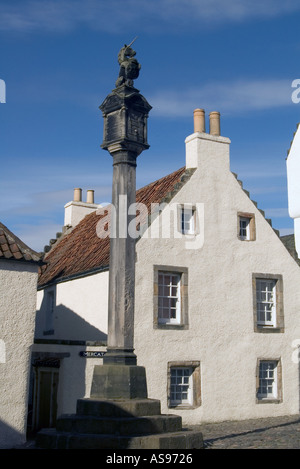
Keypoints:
pixel 122 262
pixel 125 113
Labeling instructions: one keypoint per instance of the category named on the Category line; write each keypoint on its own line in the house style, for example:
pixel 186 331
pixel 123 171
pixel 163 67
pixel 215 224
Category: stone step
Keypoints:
pixel 51 439
pixel 119 425
pixel 118 408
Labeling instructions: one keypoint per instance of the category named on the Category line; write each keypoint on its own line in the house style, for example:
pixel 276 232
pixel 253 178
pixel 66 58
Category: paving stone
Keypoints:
pixel 269 433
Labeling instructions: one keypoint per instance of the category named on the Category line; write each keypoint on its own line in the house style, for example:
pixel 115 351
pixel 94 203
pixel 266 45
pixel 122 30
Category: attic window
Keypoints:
pixel 187 223
pixel 246 226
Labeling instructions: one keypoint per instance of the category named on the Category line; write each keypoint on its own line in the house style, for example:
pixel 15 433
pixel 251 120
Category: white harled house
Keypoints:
pixel 18 282
pixel 217 306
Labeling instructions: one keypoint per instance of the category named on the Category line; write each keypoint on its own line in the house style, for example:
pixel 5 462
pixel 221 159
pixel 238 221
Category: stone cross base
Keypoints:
pixel 119 424
pixel 119 381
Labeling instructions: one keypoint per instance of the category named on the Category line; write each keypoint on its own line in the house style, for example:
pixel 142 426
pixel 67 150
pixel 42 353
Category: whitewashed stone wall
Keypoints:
pixel 79 315
pixel 80 311
pixel 18 283
pixel 293 177
pixel 221 326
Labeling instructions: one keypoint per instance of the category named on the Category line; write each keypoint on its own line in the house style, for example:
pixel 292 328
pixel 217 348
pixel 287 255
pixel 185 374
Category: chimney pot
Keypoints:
pixel 199 120
pixel 77 195
pixel 214 123
pixel 90 197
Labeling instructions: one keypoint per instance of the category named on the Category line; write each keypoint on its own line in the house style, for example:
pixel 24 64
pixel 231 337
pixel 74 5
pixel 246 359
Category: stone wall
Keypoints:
pixel 18 281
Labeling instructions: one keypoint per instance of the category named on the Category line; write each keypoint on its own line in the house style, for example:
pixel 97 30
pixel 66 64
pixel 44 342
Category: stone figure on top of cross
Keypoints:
pixel 129 66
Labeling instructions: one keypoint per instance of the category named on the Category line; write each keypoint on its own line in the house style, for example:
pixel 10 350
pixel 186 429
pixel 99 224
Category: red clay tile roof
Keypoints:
pixel 12 248
pixel 84 251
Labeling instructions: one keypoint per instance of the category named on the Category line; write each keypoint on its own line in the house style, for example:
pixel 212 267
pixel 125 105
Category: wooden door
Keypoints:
pixel 46 397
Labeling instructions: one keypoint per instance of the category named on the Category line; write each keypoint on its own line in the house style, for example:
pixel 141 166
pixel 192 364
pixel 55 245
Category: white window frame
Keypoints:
pixel 266 305
pixel 268 380
pixel 187 220
pixel 181 386
pixel 244 233
pixel 166 297
pixel 246 230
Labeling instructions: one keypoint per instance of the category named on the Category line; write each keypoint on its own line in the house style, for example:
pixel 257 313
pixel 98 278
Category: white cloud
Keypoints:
pixel 119 15
pixel 262 172
pixel 236 10
pixel 286 231
pixel 38 235
pixel 276 212
pixel 42 204
pixel 267 190
pixel 35 213
pixel 231 97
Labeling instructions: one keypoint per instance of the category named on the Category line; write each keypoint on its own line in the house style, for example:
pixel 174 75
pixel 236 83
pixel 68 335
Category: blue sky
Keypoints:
pixel 59 62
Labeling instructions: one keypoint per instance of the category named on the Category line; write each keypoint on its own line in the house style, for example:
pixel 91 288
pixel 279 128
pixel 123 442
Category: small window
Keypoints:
pixel 269 380
pixel 49 318
pixel 184 384
pixel 268 303
pixel 246 226
pixel 170 299
pixel 181 389
pixel 187 221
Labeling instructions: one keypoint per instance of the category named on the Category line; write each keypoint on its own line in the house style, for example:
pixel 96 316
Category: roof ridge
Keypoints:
pixel 160 179
pixel 63 258
pixel 16 248
pixel 268 220
pixel 53 243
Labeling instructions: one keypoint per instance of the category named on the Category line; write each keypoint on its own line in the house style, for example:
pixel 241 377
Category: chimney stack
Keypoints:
pixel 77 195
pixel 207 150
pixel 76 210
pixel 214 123
pixel 90 196
pixel 199 120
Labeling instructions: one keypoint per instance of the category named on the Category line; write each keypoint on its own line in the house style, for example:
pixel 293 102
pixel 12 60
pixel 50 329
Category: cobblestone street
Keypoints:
pixel 269 433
